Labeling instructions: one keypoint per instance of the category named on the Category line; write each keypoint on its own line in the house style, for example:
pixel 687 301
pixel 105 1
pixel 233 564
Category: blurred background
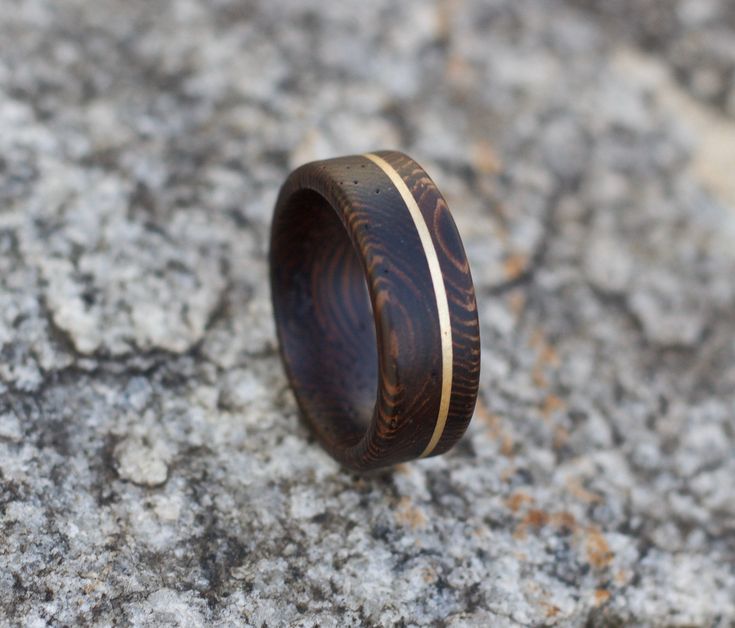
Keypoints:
pixel 152 466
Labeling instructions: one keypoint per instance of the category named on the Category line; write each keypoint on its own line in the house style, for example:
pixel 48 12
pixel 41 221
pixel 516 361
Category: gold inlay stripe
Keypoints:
pixel 440 293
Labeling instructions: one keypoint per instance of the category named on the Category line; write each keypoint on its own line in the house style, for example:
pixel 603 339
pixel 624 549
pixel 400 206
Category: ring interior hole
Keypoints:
pixel 324 312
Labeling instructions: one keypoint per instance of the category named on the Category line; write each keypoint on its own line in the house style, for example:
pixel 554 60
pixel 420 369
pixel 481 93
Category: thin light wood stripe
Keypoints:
pixel 442 304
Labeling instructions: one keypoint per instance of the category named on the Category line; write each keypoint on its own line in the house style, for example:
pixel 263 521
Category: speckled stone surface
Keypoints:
pixel 153 470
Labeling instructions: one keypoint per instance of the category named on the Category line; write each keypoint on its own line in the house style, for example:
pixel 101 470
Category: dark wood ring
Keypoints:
pixel 375 309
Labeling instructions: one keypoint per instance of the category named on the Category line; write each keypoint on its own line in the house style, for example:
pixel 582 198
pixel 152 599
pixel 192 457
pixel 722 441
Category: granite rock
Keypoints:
pixel 153 469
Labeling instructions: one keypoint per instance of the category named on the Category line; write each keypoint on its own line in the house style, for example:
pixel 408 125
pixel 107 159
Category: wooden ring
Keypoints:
pixel 375 309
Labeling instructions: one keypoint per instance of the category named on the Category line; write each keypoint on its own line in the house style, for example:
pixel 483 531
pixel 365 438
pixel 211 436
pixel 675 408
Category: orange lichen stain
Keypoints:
pixel 485 159
pixel 547 352
pixel 599 554
pixel 507 473
pixel 561 436
pixel 564 521
pixel 429 575
pixel 485 415
pixel 507 448
pixel 408 514
pixel 622 577
pixel 479 532
pixel 538 378
pixel 517 302
pixel 458 71
pixel 536 518
pixel 552 404
pixel 515 265
pixel 574 486
pixel 589 538
pixel 495 428
pixel 551 609
pixel 601 596
pixel 538 338
pixel 548 355
pixel 444 13
pixel 517 499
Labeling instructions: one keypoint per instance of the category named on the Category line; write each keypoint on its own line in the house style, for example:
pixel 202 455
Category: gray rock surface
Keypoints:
pixel 153 470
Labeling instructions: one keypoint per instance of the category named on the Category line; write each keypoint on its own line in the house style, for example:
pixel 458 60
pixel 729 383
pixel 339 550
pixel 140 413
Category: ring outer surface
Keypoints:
pixel 423 304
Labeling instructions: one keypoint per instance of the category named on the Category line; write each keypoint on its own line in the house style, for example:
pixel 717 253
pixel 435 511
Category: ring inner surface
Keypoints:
pixel 325 317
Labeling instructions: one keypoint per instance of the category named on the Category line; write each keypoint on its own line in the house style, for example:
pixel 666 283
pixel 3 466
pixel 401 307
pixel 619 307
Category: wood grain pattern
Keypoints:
pixel 440 294
pixel 375 309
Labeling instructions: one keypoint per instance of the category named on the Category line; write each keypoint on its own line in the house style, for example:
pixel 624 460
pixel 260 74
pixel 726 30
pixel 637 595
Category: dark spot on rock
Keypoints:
pixel 55 434
pixel 322 517
pixel 19 588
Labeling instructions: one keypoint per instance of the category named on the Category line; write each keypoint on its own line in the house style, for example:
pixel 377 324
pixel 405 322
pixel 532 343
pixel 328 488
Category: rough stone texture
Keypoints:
pixel 152 467
pixel 695 36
